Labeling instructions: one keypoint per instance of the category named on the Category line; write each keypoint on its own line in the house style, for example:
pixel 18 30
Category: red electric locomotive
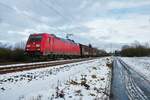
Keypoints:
pixel 49 44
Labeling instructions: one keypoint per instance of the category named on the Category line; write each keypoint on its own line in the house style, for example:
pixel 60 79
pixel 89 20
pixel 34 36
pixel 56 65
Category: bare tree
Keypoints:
pixel 146 45
pixel 20 45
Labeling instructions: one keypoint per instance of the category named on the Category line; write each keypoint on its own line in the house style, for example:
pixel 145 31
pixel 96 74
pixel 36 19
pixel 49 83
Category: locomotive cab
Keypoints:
pixel 34 43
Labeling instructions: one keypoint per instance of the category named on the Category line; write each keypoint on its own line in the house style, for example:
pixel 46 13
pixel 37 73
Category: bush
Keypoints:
pixel 7 54
pixel 19 55
pixel 137 51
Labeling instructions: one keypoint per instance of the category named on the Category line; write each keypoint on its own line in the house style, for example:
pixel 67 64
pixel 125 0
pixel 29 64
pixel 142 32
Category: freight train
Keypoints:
pixel 45 44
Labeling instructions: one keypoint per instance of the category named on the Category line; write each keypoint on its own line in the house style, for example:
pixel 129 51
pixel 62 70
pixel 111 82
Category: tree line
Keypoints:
pixel 135 50
pixel 12 54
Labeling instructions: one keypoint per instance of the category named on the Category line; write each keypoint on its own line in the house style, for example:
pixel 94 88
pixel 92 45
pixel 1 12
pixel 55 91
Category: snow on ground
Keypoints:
pixel 85 80
pixel 140 64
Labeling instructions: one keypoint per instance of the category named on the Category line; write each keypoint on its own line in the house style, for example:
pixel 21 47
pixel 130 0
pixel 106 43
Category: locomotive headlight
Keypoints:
pixel 37 45
pixel 38 49
pixel 28 45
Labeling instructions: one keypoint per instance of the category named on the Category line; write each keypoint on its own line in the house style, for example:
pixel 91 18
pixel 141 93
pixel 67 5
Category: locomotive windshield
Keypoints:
pixel 33 38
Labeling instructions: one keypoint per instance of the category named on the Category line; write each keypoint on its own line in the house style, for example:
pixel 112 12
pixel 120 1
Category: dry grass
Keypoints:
pixel 94 68
pixel 102 78
pixel 78 93
pixel 109 65
pixel 92 94
pixel 74 82
pixel 94 76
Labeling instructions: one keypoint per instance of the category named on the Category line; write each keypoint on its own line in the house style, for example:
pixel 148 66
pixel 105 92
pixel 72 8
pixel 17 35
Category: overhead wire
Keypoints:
pixel 30 17
pixel 55 10
pixel 67 19
pixel 61 6
pixel 68 16
pixel 49 5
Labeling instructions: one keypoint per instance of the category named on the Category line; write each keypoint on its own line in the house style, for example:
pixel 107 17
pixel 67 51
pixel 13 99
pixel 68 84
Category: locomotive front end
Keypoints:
pixel 34 45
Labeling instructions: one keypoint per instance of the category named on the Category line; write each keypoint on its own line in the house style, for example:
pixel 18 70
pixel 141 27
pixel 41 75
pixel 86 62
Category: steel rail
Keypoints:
pixel 17 68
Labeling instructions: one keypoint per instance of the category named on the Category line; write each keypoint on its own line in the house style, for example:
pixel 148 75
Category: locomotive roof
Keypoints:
pixel 66 40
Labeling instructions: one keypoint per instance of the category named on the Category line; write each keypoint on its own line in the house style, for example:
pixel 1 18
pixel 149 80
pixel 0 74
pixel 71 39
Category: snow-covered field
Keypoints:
pixel 139 64
pixel 85 80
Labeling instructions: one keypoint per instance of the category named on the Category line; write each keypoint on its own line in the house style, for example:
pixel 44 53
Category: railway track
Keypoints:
pixel 28 66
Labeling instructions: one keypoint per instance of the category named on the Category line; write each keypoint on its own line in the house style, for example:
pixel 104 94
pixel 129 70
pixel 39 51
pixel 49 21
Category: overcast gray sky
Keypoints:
pixel 105 24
